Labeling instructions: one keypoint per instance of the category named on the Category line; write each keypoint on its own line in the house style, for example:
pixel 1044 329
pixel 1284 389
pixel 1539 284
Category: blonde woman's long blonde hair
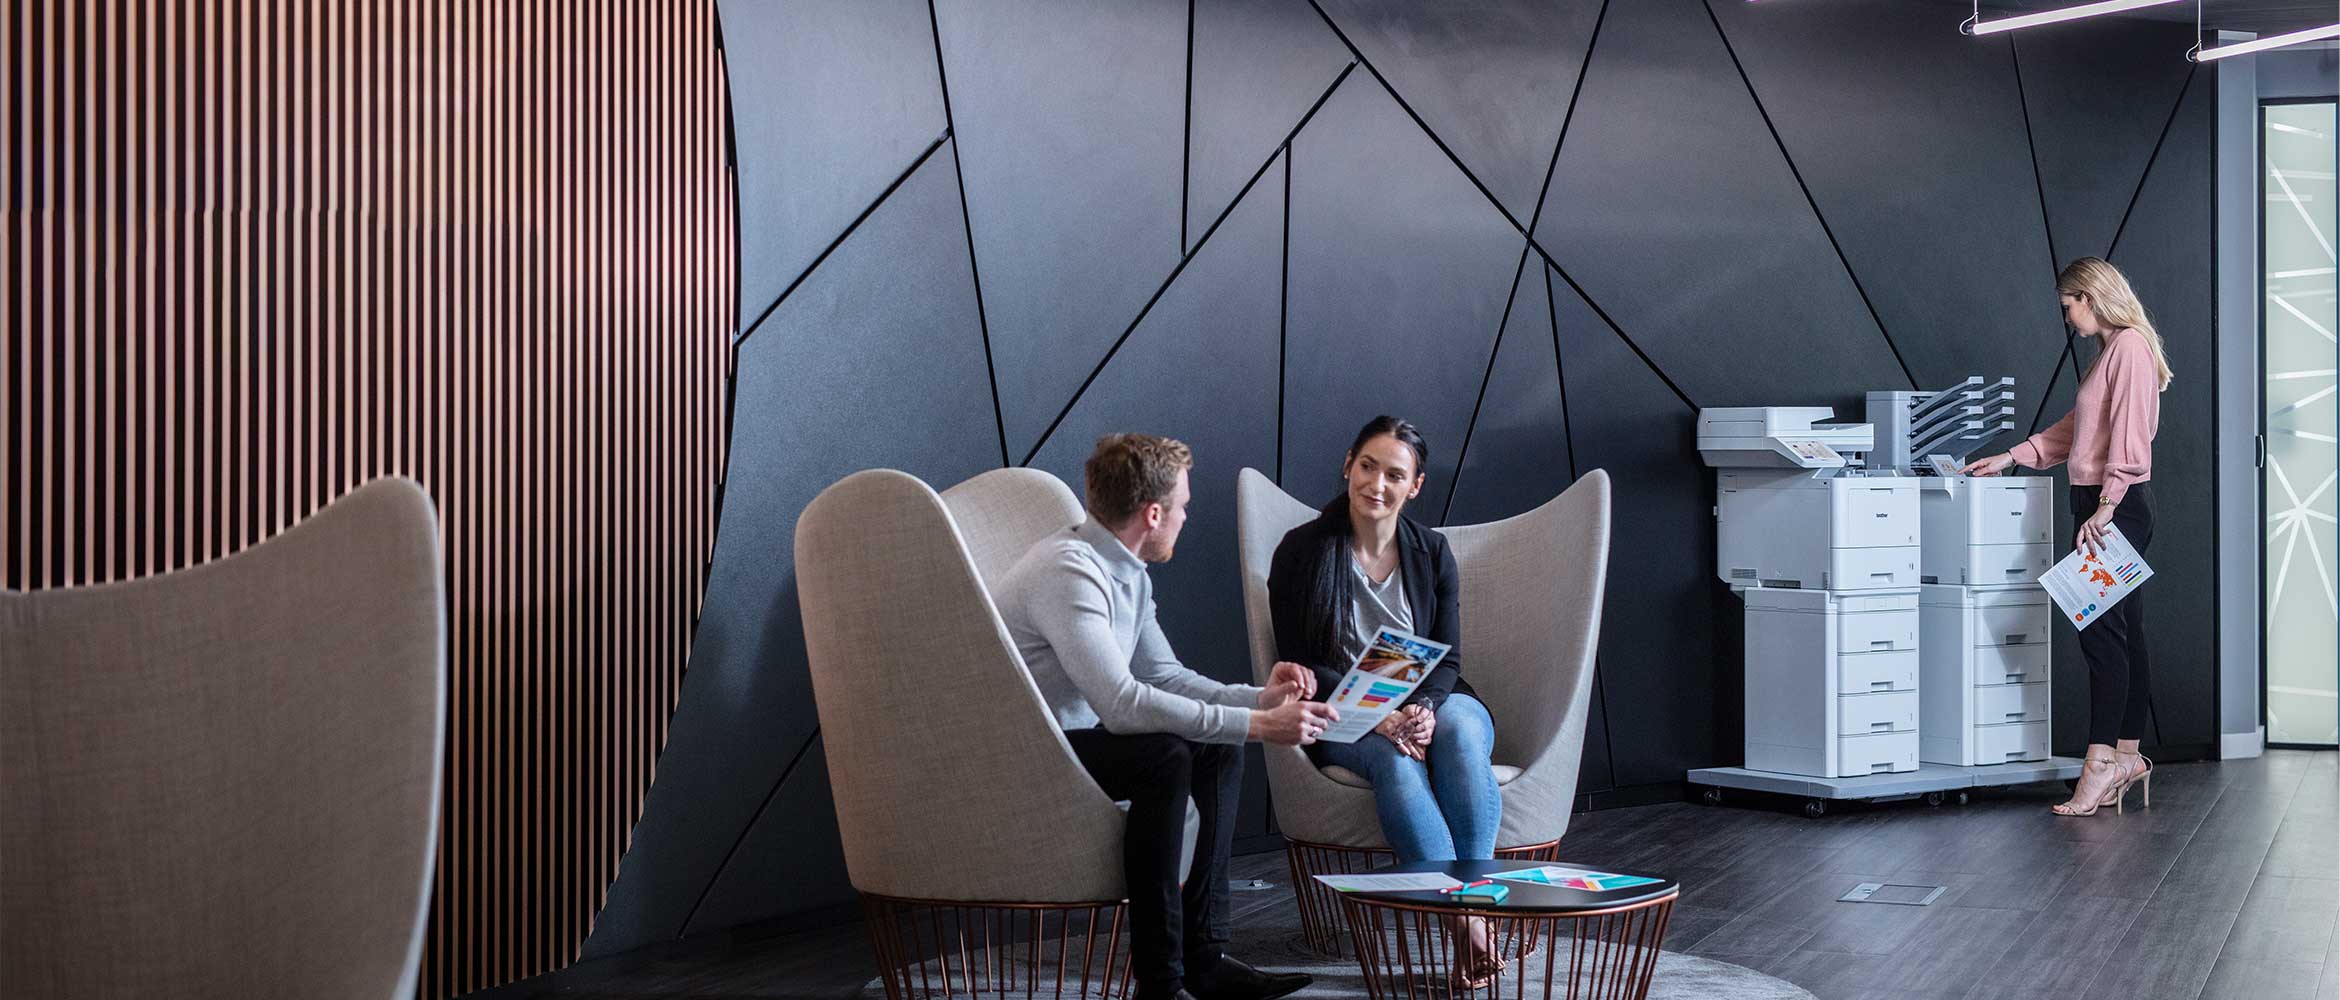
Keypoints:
pixel 2115 304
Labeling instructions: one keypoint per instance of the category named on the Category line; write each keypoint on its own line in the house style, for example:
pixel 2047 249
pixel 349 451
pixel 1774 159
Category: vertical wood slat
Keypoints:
pixel 260 251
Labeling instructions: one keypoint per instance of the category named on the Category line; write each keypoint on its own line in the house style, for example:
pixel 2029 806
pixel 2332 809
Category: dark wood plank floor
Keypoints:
pixel 2228 887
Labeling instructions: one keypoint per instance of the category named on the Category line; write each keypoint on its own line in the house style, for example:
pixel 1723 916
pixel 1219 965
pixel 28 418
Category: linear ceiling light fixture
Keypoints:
pixel 1977 26
pixel 2263 44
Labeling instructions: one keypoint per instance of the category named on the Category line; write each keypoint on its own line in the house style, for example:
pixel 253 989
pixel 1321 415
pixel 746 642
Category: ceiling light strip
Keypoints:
pixel 2269 42
pixel 1978 26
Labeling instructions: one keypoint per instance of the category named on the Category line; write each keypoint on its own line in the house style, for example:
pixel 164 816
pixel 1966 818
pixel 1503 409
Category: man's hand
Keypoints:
pixel 1287 682
pixel 1294 723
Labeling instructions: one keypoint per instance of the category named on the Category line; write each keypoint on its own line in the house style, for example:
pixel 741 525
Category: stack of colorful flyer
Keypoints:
pixel 2086 585
pixel 1384 675
pixel 1574 878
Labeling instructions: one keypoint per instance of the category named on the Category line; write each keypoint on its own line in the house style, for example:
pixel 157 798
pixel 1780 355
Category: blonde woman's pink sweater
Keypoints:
pixel 2108 436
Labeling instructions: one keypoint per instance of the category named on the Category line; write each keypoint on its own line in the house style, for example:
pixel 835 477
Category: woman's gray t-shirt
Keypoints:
pixel 1373 607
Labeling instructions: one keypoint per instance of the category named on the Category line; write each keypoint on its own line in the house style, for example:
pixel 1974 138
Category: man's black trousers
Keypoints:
pixel 1172 930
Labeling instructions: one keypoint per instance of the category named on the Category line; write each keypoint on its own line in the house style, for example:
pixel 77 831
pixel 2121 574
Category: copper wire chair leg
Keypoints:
pixel 1129 961
pixel 1063 948
pixel 876 922
pixel 973 949
pixel 1113 952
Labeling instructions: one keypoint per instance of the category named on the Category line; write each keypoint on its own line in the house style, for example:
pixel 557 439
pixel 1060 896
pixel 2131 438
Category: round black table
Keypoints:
pixel 1554 941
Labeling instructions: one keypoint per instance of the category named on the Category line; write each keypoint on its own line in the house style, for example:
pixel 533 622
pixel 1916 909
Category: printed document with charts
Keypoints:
pixel 2086 586
pixel 1384 675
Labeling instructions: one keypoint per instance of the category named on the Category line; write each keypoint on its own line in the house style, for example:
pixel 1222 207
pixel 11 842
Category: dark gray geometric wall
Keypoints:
pixel 978 232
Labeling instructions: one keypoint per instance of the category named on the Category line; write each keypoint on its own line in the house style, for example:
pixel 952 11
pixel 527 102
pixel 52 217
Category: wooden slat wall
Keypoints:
pixel 260 251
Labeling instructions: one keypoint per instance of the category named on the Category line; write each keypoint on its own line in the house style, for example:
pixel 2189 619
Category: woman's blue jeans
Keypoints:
pixel 1445 810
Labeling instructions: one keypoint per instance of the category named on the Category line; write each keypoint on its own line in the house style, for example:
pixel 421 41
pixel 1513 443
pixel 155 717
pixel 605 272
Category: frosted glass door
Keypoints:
pixel 2303 660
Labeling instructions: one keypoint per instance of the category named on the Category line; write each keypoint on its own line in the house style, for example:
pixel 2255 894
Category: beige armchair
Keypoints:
pixel 1531 618
pixel 970 829
pixel 224 781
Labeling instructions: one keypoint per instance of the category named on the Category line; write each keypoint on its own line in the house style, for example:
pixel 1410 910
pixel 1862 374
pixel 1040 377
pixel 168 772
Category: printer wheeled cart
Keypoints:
pixel 1934 783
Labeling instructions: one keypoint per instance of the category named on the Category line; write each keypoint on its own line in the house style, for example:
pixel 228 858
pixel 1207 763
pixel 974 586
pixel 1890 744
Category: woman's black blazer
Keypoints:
pixel 1432 586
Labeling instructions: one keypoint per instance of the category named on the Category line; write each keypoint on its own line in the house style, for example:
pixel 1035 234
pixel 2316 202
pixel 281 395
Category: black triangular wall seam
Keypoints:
pixel 1186 136
pixel 1613 327
pixel 1494 352
pixel 750 827
pixel 1568 434
pixel 942 78
pixel 1492 200
pixel 1172 279
pixel 1560 373
pixel 1814 203
pixel 1359 55
pixel 839 241
pixel 2047 231
pixel 2147 173
pixel 2113 247
pixel 1283 311
pixel 1535 216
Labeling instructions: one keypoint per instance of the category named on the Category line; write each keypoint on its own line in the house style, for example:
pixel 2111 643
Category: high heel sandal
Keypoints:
pixel 1482 973
pixel 2068 809
pixel 2120 791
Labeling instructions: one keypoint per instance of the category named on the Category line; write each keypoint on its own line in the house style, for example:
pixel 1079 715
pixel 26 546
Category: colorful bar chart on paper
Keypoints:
pixel 1574 878
pixel 1380 694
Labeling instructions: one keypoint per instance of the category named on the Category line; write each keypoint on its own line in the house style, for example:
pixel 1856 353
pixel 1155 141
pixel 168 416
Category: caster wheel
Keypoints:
pixel 1711 796
pixel 1934 799
pixel 1814 809
pixel 1964 798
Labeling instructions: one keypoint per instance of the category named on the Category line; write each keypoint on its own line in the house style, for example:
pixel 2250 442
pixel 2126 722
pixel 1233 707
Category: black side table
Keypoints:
pixel 1554 941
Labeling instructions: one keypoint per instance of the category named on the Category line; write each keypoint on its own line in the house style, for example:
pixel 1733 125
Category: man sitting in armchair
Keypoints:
pixel 1080 607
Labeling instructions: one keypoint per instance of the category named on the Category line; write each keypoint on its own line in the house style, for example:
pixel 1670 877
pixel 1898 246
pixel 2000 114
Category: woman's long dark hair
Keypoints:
pixel 1331 587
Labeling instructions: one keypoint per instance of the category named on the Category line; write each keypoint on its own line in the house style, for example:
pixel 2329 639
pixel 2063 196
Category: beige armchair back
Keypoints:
pixel 952 781
pixel 1531 611
pixel 224 781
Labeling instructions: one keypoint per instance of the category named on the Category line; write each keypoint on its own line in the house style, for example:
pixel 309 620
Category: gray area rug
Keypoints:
pixel 1272 940
pixel 1278 946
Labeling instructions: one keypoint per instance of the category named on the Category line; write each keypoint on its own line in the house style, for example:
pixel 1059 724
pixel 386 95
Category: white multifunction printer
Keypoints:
pixel 1984 658
pixel 1825 554
pixel 1896 639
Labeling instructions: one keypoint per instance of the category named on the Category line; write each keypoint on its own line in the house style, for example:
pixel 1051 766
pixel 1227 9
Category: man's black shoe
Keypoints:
pixel 1231 979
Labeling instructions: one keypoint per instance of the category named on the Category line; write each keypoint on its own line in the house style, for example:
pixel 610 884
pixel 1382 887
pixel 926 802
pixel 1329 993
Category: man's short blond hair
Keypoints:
pixel 1129 471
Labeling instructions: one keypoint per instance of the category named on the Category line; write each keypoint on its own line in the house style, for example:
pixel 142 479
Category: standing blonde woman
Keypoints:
pixel 2108 440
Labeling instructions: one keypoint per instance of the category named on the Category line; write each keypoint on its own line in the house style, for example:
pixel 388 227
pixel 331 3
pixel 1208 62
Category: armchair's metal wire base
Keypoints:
pixel 937 948
pixel 1319 906
pixel 1413 951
